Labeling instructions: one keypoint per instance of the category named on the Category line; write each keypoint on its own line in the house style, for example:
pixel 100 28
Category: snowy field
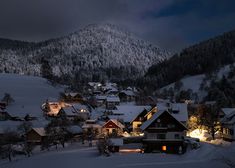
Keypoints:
pixel 208 156
pixel 29 93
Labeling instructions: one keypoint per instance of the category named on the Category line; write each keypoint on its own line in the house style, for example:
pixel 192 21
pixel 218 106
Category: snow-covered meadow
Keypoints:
pixel 75 155
pixel 29 93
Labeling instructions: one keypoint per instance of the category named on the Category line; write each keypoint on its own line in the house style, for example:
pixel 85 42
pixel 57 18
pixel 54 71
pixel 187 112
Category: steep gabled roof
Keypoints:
pixel 182 114
pixel 156 115
pixel 41 131
pixel 116 122
pixel 129 112
pixel 143 113
pixel 228 111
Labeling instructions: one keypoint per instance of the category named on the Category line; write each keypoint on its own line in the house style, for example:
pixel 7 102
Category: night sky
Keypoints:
pixel 171 24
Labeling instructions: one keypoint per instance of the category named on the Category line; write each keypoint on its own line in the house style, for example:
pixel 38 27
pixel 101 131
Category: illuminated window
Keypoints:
pixel 164 148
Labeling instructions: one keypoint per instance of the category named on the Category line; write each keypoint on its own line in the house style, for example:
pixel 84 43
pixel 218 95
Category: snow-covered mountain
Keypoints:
pixel 97 49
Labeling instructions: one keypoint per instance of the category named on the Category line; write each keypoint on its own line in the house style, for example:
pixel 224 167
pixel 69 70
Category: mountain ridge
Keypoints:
pixel 97 46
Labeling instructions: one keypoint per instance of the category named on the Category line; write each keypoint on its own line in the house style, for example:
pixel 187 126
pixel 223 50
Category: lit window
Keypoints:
pixel 164 148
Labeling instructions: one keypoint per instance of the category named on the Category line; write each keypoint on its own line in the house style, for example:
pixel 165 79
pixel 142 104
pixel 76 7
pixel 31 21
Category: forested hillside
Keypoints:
pixel 97 52
pixel 204 57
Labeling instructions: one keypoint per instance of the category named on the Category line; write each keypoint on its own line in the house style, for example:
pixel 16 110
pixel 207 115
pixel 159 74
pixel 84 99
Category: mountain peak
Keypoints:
pixel 94 49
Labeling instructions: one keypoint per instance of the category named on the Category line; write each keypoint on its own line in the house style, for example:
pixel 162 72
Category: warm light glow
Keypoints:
pixel 199 133
pixel 164 148
pixel 83 110
pixel 131 151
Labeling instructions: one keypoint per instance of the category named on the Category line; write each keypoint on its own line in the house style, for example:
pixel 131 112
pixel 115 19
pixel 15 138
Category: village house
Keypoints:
pixel 82 110
pixel 113 127
pixel 92 125
pixel 127 95
pixel 109 87
pixel 73 111
pixel 73 97
pixel 36 135
pixel 112 101
pixel 100 100
pixel 228 124
pixel 163 133
pixel 52 107
pixel 127 113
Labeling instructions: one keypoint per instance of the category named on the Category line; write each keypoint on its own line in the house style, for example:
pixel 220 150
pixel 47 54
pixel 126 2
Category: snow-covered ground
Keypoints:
pixel 29 93
pixel 208 156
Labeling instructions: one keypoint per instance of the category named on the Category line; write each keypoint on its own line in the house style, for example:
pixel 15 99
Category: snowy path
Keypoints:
pixel 206 157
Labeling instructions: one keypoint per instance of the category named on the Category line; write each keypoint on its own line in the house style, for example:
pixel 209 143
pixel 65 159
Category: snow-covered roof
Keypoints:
pixel 181 108
pixel 80 107
pixel 100 97
pixel 112 98
pixel 228 111
pixel 128 92
pixel 229 119
pixel 75 129
pixel 154 117
pixel 116 122
pixel 91 126
pixel 41 131
pixel 129 112
pixel 69 110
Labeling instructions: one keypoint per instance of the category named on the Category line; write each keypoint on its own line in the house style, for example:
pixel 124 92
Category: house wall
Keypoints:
pixel 136 126
pixel 32 136
pixel 150 114
pixel 168 135
pixel 228 133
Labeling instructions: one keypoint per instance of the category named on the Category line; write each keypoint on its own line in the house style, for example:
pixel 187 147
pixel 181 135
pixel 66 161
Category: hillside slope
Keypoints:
pixel 202 58
pixel 28 93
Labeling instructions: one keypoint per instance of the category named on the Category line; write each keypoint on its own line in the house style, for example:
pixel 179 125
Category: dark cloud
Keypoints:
pixel 172 24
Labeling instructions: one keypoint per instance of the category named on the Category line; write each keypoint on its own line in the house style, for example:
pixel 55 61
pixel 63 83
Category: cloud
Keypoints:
pixel 171 24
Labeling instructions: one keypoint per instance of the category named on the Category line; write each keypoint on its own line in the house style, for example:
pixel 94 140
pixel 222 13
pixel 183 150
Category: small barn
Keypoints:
pixel 36 135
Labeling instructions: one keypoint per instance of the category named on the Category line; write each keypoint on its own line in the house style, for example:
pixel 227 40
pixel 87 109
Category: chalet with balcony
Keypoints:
pixel 163 133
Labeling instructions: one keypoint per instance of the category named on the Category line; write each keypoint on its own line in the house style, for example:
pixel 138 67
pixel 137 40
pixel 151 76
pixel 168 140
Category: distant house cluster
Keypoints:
pixel 108 111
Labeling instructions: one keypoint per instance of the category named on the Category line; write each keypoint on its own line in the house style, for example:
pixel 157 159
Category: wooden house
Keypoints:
pixel 228 126
pixel 92 125
pixel 36 135
pixel 73 97
pixel 127 95
pixel 113 127
pixel 163 133
pixel 112 101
